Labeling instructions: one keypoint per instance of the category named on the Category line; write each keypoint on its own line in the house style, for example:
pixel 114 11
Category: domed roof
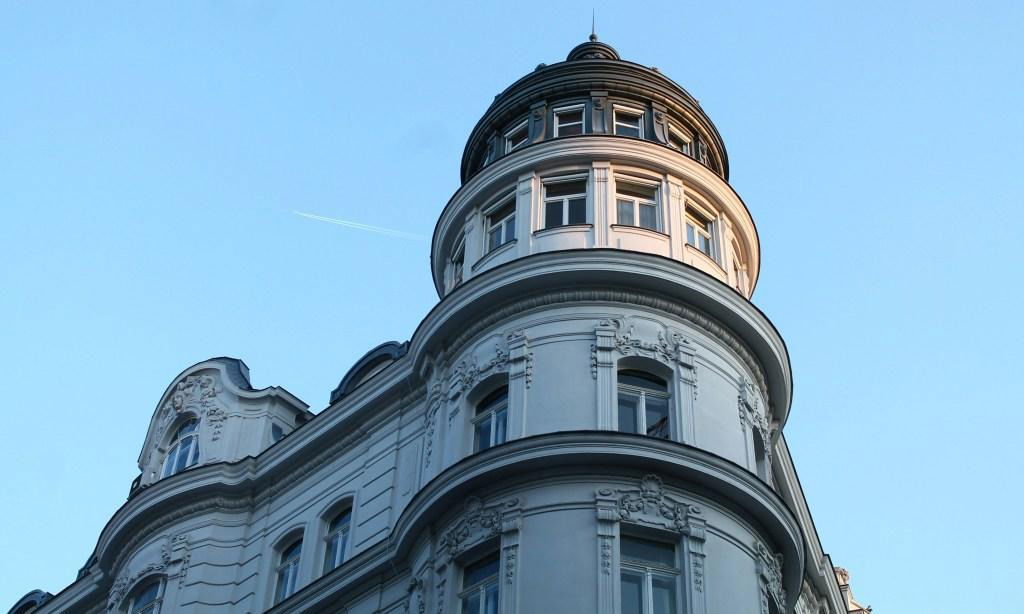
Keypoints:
pixel 593 50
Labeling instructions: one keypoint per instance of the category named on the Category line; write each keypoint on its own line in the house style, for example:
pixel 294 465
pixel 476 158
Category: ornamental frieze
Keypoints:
pixel 650 504
pixel 477 523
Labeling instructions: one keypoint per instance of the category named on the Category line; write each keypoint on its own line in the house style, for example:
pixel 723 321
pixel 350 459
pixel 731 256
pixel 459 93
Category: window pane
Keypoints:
pixel 656 409
pixel 628 405
pixel 578 211
pixel 170 461
pixel 500 418
pixel 331 555
pixel 627 125
pixel 184 451
pixel 510 229
pixel 553 214
pixel 565 188
pixel 480 571
pixel 691 236
pixel 625 216
pixel 494 238
pixel 482 439
pixel 647 551
pixel 641 379
pixel 471 604
pixel 632 593
pixel 664 594
pixel 495 400
pixel 704 244
pixel 649 216
pixel 146 596
pixel 643 192
pixel 491 599
pixel 508 209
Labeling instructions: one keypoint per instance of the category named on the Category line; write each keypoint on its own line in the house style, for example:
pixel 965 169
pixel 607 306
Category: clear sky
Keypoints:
pixel 152 158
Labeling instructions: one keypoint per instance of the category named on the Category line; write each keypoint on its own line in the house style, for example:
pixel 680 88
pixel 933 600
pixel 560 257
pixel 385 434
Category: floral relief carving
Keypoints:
pixel 606 555
pixel 652 505
pixel 510 565
pixel 478 522
pixel 173 562
pixel 671 348
pixel 468 371
pixel 194 394
pixel 769 568
pixel 752 414
pixel 415 597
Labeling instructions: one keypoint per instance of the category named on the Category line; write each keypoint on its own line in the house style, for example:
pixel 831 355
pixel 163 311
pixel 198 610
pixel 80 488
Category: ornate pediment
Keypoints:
pixel 651 505
pixel 477 523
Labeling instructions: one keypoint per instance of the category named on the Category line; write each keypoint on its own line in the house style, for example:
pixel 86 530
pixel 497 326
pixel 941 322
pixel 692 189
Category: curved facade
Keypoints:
pixel 590 419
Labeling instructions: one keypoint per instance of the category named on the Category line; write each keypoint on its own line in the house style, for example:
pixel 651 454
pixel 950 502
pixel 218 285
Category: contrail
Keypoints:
pixel 358 226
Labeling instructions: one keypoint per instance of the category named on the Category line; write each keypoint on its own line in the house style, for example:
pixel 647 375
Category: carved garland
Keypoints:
pixel 478 522
pixel 174 557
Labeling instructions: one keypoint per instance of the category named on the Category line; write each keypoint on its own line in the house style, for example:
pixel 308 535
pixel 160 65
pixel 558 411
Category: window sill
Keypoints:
pixel 561 229
pixel 640 230
pixel 491 255
pixel 695 253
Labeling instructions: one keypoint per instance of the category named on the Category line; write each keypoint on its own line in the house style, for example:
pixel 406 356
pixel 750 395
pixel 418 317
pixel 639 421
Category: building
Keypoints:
pixel 590 419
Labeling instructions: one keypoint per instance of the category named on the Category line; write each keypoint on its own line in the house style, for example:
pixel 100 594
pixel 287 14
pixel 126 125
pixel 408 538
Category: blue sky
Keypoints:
pixel 151 159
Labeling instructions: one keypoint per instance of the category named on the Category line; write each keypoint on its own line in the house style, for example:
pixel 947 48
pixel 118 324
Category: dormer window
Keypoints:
pixel 699 230
pixel 184 448
pixel 517 136
pixel 629 122
pixel 637 205
pixel 569 121
pixel 501 225
pixel 565 202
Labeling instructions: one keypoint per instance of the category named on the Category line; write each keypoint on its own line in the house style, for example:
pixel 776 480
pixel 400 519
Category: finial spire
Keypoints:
pixel 593 25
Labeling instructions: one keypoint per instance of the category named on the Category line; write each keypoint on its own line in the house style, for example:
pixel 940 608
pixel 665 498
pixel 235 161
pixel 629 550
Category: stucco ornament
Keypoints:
pixel 194 394
pixel 173 563
pixel 477 523
pixel 650 504
pixel 769 569
pixel 753 413
pixel 415 600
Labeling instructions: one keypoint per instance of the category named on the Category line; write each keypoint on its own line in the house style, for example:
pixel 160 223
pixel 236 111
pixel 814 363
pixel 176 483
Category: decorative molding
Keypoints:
pixel 769 571
pixel 194 394
pixel 173 563
pixel 649 504
pixel 216 417
pixel 468 371
pixel 752 414
pixel 631 297
pixel 414 594
pixel 477 523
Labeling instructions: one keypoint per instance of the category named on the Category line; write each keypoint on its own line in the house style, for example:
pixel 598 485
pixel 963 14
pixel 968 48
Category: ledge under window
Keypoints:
pixel 641 230
pixel 565 228
pixel 491 255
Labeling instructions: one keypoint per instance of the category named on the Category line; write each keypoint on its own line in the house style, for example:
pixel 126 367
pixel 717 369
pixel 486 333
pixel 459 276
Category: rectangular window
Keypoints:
pixel 649 576
pixel 501 225
pixel 479 593
pixel 643 404
pixel 699 231
pixel 517 136
pixel 680 140
pixel 458 262
pixel 637 205
pixel 569 121
pixel 490 426
pixel 565 202
pixel 629 122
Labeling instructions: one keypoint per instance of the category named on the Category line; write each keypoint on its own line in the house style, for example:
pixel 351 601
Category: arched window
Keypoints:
pixel 643 404
pixel 288 571
pixel 145 600
pixel 183 451
pixel 490 420
pixel 337 539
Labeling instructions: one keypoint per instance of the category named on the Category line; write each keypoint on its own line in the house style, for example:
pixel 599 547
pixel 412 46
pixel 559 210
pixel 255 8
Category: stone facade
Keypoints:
pixel 550 482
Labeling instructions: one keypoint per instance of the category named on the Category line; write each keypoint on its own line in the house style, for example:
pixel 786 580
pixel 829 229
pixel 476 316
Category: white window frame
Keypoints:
pixel 565 200
pixel 480 587
pixel 630 111
pixel 174 449
pixel 641 409
pixel 458 263
pixel 678 132
pixel 154 606
pixel 638 202
pixel 509 145
pixel 491 223
pixel 649 569
pixel 290 568
pixel 491 415
pixel 343 532
pixel 582 108
pixel 691 221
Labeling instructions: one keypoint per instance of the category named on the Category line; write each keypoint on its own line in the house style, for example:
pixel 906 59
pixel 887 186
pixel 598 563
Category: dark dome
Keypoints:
pixel 593 50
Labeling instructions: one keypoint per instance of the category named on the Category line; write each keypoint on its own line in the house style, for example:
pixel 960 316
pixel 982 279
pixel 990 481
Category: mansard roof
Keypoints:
pixel 369 365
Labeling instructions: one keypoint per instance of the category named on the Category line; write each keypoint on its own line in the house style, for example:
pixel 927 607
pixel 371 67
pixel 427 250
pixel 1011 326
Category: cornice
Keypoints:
pixel 582 77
